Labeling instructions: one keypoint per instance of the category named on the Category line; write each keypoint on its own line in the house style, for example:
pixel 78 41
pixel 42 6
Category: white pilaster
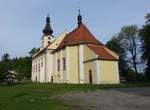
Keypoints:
pixel 67 64
pixel 33 73
pixel 56 63
pixel 98 71
pixel 81 67
pixel 50 63
pixel 40 72
pixel 118 77
pixel 36 71
pixel 61 64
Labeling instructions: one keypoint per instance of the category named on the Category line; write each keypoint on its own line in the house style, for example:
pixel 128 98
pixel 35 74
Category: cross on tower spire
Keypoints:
pixel 79 18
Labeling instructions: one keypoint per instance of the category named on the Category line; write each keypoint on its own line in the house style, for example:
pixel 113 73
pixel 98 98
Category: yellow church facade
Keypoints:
pixel 76 57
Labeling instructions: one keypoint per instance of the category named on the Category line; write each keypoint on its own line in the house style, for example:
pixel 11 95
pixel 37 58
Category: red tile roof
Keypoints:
pixel 102 52
pixel 82 35
pixel 79 36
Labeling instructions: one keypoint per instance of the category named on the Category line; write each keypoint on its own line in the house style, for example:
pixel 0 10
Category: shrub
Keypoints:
pixel 130 76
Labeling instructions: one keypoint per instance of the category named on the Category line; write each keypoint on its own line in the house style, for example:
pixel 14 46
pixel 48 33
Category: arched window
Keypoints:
pixel 64 63
pixel 58 65
pixel 39 67
pixel 41 63
pixel 36 68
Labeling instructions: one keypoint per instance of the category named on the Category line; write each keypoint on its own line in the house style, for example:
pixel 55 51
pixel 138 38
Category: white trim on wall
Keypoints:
pixel 42 69
pixel 61 64
pixel 40 72
pixel 81 68
pixel 32 71
pixel 32 75
pixel 118 77
pixel 98 71
pixel 50 63
pixel 67 64
pixel 56 63
pixel 45 67
pixel 37 75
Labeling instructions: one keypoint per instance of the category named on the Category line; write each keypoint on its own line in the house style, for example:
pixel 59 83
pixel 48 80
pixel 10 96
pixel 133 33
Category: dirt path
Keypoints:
pixel 112 99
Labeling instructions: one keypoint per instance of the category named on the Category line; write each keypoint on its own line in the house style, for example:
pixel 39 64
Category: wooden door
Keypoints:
pixel 90 76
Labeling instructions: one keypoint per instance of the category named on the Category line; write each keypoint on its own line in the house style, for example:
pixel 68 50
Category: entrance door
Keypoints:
pixel 36 79
pixel 52 79
pixel 90 76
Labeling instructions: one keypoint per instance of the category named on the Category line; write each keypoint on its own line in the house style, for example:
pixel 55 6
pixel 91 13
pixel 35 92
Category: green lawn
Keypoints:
pixel 35 96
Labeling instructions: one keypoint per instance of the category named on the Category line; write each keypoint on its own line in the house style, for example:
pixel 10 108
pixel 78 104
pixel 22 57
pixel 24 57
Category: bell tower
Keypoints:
pixel 47 37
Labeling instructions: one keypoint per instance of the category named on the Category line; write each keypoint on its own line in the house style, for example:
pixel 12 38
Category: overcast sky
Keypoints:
pixel 22 21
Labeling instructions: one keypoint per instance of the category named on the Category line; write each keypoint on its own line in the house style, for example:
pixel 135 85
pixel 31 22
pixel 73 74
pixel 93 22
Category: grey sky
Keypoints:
pixel 22 21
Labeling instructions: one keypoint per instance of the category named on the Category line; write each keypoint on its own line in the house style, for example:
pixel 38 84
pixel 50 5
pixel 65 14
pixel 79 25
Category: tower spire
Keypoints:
pixel 47 30
pixel 79 18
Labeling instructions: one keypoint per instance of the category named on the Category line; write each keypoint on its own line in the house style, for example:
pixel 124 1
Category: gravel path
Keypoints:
pixel 112 99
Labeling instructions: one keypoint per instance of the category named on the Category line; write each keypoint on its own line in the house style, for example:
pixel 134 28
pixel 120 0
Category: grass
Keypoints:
pixel 36 96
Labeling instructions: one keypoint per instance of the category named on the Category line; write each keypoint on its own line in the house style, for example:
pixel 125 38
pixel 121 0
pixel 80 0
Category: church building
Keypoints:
pixel 75 57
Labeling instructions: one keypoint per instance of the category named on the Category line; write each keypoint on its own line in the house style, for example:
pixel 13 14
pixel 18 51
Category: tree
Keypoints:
pixel 5 57
pixel 3 70
pixel 23 67
pixel 145 37
pixel 147 17
pixel 5 65
pixel 115 45
pixel 33 51
pixel 129 38
pixel 20 65
pixel 130 76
